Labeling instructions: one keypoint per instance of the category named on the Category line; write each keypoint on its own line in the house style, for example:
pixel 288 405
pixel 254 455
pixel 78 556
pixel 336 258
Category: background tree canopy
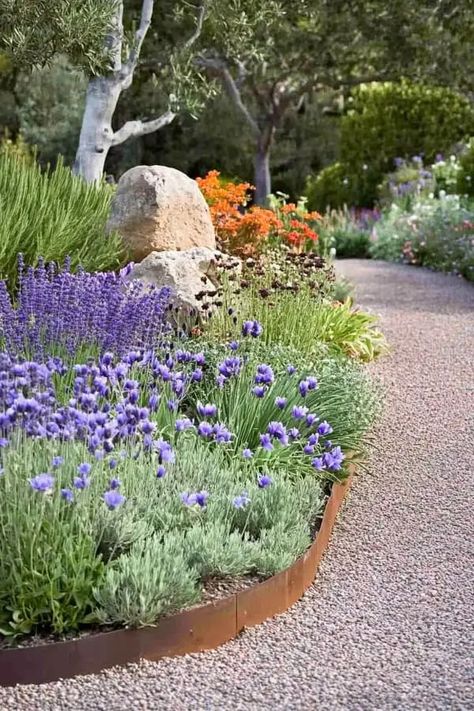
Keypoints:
pixel 279 80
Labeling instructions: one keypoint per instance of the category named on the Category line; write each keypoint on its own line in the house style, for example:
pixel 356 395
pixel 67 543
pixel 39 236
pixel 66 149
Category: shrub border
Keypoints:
pixel 194 630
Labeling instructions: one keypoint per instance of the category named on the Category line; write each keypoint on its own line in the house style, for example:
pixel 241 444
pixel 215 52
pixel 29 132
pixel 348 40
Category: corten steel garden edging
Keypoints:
pixel 195 630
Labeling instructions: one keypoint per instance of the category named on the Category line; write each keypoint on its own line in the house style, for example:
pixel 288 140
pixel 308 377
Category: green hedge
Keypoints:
pixel 385 121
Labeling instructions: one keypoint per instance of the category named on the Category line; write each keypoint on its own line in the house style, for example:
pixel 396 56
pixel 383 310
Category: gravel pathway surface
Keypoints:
pixel 388 623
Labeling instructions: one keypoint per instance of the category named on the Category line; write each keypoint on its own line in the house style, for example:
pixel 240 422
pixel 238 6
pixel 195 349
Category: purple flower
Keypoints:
pixel 294 433
pixel 324 428
pixel 84 469
pixel 252 328
pixel 205 429
pixel 160 472
pixel 247 453
pixel 113 499
pixel 312 382
pixel 199 358
pixel 222 434
pixel 303 387
pixel 153 401
pixel 266 442
pixel 233 345
pixel 165 451
pixel 311 419
pixel 308 449
pixel 280 402
pixel 114 483
pixel 230 366
pixel 67 495
pixel 313 439
pixel 42 482
pixel 197 375
pixel 198 498
pixel 299 412
pixel 278 431
pixel 81 482
pixel 264 375
pixel 188 499
pixel 57 461
pixel 207 410
pixel 318 463
pixel 259 391
pixel 113 463
pixel 240 502
pixel 183 424
pixel 333 460
pixel 201 498
pixel 4 442
pixel 328 444
pixel 264 481
pixel 172 405
pixel 290 369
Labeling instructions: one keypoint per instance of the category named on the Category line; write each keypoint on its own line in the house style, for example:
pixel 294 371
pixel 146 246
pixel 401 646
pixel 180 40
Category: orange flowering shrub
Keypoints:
pixel 245 232
pixel 240 232
pixel 296 221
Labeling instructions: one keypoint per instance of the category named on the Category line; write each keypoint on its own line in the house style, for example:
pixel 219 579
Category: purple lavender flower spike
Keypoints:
pixel 113 499
pixel 318 463
pixel 259 391
pixel 241 501
pixel 208 410
pixel 67 495
pixel 324 428
pixel 266 442
pixel 247 453
pixel 252 328
pixel 42 482
pixel 205 429
pixel 280 402
pixel 264 481
pixel 299 412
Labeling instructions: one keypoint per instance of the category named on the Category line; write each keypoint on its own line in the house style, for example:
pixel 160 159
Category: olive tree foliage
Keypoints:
pixel 107 37
pixel 317 46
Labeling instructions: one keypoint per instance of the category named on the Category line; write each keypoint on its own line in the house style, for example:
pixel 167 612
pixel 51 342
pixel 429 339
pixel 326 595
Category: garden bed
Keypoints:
pixel 194 630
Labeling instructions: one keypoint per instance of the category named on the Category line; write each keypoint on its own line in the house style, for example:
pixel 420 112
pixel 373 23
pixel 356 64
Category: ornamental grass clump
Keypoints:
pixel 56 312
pixel 52 214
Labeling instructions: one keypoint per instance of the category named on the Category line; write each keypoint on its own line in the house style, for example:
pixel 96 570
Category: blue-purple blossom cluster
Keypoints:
pixel 57 309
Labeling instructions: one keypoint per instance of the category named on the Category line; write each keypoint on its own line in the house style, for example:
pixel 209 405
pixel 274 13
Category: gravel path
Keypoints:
pixel 387 624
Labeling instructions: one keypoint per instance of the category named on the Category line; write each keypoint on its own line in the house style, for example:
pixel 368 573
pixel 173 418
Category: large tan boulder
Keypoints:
pixel 157 209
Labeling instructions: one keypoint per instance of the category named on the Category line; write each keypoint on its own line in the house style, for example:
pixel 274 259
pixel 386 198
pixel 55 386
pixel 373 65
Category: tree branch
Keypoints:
pixel 114 38
pixel 132 129
pixel 220 68
pixel 197 32
pixel 145 22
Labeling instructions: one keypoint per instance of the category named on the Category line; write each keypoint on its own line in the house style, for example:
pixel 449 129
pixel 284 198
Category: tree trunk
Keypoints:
pixel 263 181
pixel 96 130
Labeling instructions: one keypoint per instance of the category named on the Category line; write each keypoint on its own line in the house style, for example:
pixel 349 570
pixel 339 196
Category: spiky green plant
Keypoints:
pixel 53 214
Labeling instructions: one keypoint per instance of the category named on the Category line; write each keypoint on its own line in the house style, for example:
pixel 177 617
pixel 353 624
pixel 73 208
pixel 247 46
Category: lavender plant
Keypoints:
pixel 57 312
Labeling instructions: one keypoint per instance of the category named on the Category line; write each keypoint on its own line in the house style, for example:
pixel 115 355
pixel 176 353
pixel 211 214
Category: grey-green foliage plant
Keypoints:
pixel 54 215
pixel 65 563
pixel 152 579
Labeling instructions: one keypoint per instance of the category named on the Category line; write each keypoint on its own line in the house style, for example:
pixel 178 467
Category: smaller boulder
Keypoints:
pixel 159 209
pixel 192 275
